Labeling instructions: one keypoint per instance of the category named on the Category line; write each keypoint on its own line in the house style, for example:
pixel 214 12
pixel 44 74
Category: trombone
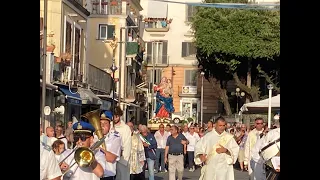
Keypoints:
pixel 83 156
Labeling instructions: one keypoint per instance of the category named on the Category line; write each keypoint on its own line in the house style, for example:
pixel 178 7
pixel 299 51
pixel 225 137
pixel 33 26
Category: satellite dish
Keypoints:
pixel 59 110
pixel 46 110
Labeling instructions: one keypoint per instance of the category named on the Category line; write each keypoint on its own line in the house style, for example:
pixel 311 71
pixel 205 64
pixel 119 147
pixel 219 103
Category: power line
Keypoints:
pixel 229 5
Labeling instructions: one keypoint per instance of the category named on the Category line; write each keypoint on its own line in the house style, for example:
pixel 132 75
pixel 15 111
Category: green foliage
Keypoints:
pixel 243 33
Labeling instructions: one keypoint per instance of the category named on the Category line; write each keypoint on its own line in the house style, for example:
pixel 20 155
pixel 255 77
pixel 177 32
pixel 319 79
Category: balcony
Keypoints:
pixel 158 59
pixel 107 7
pixel 188 91
pixel 99 79
pixel 157 25
pixel 132 49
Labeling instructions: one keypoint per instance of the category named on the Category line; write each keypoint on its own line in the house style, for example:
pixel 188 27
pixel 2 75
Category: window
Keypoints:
pixel 106 31
pixel 77 40
pixel 68 38
pixel 157 76
pixel 191 10
pixel 157 52
pixel 188 49
pixel 190 77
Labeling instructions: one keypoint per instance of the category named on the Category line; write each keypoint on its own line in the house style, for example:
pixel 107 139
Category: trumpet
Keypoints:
pixel 83 156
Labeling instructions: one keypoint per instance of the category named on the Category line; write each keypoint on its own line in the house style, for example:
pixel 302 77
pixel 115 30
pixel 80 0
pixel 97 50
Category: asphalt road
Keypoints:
pixel 196 174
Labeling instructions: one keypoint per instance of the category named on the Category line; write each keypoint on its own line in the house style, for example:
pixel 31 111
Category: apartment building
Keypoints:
pixel 66 67
pixel 170 51
pixel 114 37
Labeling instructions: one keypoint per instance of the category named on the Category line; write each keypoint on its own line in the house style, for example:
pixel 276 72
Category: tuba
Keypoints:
pixel 94 120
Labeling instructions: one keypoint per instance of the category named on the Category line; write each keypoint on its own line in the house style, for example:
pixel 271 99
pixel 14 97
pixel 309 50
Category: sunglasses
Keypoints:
pixel 80 136
pixel 259 123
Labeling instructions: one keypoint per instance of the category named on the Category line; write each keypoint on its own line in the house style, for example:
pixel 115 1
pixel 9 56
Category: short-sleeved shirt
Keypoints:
pixel 113 143
pixel 174 144
pixel 49 167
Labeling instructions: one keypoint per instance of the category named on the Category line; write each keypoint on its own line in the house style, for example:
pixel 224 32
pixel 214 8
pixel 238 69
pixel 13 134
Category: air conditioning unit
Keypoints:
pixel 129 62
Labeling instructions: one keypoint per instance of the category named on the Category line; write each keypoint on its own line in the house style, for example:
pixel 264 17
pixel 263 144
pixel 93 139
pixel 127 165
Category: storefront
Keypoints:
pixel 71 100
pixel 190 107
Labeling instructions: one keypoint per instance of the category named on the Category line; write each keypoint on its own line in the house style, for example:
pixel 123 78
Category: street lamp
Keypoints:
pixel 238 95
pixel 113 68
pixel 202 76
pixel 270 87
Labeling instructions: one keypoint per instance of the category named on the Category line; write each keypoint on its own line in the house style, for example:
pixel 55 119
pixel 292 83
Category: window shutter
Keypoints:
pixel 184 49
pixel 110 30
pixel 187 78
pixel 41 23
pixel 192 49
pixel 149 52
pixel 164 52
pixel 149 76
pixel 158 73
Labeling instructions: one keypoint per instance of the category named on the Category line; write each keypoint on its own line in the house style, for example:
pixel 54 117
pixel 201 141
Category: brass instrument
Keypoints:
pixel 94 120
pixel 84 156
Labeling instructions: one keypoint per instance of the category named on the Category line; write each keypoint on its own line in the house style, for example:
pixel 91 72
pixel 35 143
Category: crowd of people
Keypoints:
pixel 130 151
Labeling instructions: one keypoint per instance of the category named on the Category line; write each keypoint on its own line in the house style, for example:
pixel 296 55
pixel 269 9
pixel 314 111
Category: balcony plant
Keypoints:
pixel 51 45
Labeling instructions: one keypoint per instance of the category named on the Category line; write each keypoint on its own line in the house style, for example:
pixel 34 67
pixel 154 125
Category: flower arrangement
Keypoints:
pixel 157 120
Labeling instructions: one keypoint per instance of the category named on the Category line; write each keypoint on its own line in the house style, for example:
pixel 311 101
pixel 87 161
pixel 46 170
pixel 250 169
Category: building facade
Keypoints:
pixel 114 37
pixel 170 53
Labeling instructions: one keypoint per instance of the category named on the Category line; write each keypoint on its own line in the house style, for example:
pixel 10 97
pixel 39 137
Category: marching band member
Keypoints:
pixel 261 171
pixel 113 146
pixel 83 137
pixel 49 168
pixel 123 165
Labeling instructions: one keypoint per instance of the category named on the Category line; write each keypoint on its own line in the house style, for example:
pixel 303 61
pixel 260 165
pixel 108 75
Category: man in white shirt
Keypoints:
pixel 250 142
pixel 123 165
pixel 192 138
pixel 49 168
pixel 48 138
pixel 59 135
pixel 161 137
pixel 113 146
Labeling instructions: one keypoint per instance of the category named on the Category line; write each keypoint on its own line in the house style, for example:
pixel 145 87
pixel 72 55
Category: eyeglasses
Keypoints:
pixel 80 136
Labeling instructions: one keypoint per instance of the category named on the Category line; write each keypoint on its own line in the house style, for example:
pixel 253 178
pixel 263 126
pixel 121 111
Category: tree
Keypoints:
pixel 237 44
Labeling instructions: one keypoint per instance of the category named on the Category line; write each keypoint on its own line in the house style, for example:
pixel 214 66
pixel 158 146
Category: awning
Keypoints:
pixel 88 97
pixel 49 85
pixel 262 105
pixel 72 97
pixel 157 9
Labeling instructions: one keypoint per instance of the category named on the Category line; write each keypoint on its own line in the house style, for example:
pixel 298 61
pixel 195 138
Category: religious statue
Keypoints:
pixel 164 101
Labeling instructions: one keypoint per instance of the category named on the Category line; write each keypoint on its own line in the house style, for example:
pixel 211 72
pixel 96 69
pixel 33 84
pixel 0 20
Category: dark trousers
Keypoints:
pixel 160 157
pixel 185 159
pixel 190 158
pixel 108 178
pixel 137 176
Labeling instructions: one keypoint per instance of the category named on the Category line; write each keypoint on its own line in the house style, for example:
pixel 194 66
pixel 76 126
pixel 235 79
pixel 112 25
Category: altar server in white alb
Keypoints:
pixel 123 165
pixel 218 150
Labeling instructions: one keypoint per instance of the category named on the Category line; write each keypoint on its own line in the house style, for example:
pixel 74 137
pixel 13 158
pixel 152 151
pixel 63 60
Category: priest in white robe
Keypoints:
pixel 218 150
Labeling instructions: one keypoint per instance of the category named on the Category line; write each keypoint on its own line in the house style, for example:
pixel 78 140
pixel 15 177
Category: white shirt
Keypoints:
pixel 272 135
pixel 49 167
pixel 80 173
pixel 125 134
pixel 161 139
pixel 193 139
pixel 113 144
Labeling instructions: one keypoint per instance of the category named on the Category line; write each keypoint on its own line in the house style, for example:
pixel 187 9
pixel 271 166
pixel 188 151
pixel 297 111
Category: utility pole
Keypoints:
pixel 44 61
pixel 153 77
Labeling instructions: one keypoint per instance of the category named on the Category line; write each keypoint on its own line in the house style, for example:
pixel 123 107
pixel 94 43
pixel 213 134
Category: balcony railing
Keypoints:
pixel 158 59
pixel 107 7
pixel 132 48
pixel 99 79
pixel 157 26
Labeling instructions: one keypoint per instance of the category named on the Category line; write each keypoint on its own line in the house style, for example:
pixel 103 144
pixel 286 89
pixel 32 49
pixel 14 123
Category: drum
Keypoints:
pixel 270 150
